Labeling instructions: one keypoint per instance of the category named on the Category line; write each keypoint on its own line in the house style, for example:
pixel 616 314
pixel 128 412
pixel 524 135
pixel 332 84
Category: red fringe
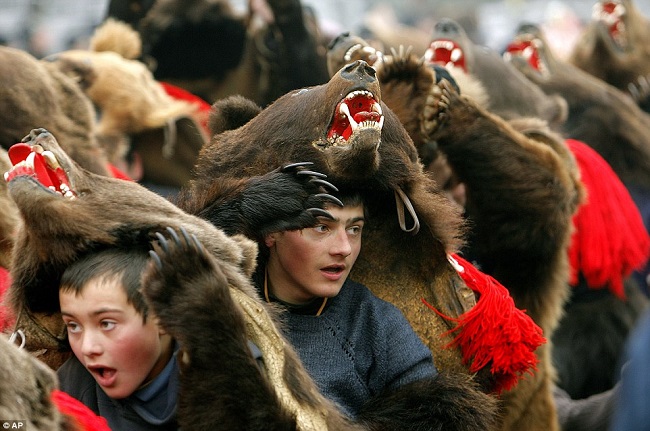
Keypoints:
pixel 83 418
pixel 610 240
pixel 494 332
pixel 7 318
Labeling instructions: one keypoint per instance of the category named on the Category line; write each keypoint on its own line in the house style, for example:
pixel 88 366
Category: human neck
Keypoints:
pixel 313 306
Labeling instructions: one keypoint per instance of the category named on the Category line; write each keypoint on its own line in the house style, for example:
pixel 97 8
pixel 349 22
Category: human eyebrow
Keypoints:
pixel 106 310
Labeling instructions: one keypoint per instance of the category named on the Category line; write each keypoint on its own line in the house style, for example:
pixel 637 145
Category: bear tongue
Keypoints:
pixel 365 116
pixel 48 178
pixel 19 152
pixel 526 50
pixel 444 52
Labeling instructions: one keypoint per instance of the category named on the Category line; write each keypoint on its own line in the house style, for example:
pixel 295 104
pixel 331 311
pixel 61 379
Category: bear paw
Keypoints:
pixel 436 109
pixel 182 274
pixel 288 198
pixel 639 89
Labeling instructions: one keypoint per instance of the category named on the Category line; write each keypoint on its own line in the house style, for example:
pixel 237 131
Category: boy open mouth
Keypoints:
pixel 103 375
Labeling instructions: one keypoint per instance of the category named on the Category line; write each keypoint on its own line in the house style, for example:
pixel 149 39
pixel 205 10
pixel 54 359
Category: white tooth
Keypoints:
pixel 528 52
pixel 456 54
pixel 29 161
pixel 381 122
pixel 52 162
pixel 6 175
pixel 345 110
pixel 376 107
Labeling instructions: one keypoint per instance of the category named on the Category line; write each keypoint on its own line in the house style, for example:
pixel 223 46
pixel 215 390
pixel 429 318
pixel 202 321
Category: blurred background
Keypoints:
pixel 43 27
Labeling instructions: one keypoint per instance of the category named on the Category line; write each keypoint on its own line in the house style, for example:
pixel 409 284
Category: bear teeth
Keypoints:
pixel 375 107
pixel 51 159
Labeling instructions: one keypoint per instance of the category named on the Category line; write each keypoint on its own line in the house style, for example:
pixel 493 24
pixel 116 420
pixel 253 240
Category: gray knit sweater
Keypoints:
pixel 358 347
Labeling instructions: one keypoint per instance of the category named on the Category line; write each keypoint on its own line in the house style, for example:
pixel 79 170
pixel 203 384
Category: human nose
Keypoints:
pixel 91 344
pixel 341 243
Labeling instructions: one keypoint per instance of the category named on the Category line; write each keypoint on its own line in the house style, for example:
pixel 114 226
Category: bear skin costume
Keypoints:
pixel 38 92
pixel 350 134
pixel 522 189
pixel 200 280
pixel 9 226
pixel 606 119
pixel 615 47
pixel 510 94
pixel 600 115
pixel 600 254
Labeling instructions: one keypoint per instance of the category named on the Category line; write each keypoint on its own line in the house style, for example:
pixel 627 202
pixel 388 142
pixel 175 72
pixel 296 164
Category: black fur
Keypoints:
pixel 439 403
pixel 287 198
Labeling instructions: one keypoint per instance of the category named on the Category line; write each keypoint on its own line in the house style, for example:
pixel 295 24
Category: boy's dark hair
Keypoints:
pixel 122 265
pixel 352 198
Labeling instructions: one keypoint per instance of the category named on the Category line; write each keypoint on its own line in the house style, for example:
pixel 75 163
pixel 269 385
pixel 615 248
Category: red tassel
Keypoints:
pixel 494 332
pixel 7 318
pixel 610 240
pixel 83 418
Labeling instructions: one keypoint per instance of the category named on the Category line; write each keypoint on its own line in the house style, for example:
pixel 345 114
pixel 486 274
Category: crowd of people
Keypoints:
pixel 127 369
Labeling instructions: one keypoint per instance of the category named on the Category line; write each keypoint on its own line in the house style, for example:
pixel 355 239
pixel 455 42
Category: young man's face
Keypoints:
pixel 315 262
pixel 110 339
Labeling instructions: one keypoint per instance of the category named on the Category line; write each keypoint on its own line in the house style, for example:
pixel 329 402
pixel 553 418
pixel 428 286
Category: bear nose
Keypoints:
pixel 446 26
pixel 34 134
pixel 359 71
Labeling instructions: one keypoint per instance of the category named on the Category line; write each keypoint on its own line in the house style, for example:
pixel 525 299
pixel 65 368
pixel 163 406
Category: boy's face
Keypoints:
pixel 315 262
pixel 110 339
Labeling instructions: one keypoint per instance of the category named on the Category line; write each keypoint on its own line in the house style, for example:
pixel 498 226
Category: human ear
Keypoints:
pixel 269 240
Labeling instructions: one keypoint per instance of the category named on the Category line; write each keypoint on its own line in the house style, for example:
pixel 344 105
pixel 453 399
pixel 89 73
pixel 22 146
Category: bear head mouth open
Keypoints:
pixel 529 46
pixel 444 48
pixel 446 53
pixel 32 160
pixel 612 14
pixel 359 110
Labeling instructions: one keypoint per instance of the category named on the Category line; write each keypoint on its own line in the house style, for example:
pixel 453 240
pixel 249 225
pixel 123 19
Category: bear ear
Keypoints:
pixel 80 71
pixel 231 113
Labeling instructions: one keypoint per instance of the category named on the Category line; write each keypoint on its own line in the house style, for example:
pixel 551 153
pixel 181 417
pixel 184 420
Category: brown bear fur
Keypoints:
pixel 215 292
pixel 114 213
pixel 617 52
pixel 522 193
pixel 600 115
pixel 36 93
pixel 506 168
pixel 9 219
